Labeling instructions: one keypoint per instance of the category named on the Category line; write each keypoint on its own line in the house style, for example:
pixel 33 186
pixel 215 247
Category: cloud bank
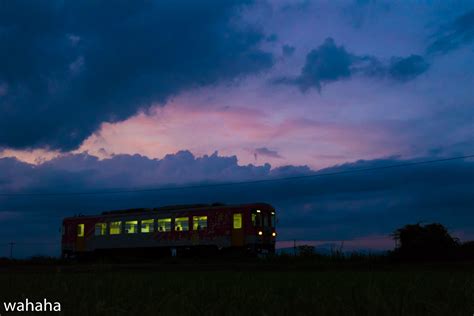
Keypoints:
pixel 349 206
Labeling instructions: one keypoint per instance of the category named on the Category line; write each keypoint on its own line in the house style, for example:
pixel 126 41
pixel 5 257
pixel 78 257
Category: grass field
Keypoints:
pixel 246 289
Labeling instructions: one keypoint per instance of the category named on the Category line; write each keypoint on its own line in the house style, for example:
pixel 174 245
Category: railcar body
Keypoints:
pixel 172 230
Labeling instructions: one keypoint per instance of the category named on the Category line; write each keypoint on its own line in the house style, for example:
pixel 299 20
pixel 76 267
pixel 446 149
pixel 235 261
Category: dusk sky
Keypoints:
pixel 95 96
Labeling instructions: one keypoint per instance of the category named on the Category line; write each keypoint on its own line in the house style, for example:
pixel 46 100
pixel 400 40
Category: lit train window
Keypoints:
pixel 147 226
pixel 273 220
pixel 115 228
pixel 164 224
pixel 80 230
pixel 256 219
pixel 131 227
pixel 199 222
pixel 100 229
pixel 237 221
pixel 181 223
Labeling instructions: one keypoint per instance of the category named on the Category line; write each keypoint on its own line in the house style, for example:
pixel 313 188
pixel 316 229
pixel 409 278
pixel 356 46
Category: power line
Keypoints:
pixel 138 190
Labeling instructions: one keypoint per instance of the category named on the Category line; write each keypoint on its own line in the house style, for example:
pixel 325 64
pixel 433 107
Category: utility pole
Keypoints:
pixel 11 249
pixel 294 247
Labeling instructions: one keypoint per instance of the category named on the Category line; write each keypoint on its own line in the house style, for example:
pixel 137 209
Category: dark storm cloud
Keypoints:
pixel 333 207
pixel 68 66
pixel 330 62
pixel 454 35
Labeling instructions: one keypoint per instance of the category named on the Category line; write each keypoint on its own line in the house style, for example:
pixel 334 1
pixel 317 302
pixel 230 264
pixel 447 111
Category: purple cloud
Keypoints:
pixel 265 152
pixel 330 63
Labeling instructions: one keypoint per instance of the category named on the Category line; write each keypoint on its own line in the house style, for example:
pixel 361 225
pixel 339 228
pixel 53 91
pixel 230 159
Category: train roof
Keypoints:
pixel 176 208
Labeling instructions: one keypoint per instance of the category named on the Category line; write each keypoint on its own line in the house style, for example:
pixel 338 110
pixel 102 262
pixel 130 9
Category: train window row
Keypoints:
pixel 259 220
pixel 146 226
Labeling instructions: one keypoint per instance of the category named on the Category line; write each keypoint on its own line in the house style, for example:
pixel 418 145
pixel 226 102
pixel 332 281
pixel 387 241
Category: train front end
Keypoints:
pixel 262 233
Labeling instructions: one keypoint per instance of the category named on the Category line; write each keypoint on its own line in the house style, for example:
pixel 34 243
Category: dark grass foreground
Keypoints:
pixel 248 288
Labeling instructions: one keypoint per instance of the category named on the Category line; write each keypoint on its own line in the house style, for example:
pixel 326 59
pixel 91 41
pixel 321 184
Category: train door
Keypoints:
pixel 80 239
pixel 237 230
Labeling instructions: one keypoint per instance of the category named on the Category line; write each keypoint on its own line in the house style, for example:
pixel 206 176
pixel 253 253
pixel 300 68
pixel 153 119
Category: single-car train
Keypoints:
pixel 172 230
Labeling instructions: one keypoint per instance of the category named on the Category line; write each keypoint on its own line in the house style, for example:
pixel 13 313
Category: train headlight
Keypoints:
pixel 274 234
pixel 260 233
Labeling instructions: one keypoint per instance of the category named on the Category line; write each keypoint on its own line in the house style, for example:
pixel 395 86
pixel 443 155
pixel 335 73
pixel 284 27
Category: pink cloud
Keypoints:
pixel 204 128
pixel 318 131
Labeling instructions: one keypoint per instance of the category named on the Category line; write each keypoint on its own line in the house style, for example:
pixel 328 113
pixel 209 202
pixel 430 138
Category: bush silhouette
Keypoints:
pixel 306 251
pixel 466 250
pixel 428 242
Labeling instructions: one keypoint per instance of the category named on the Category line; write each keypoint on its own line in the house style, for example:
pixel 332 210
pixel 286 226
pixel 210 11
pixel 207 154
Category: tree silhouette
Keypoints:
pixel 428 242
